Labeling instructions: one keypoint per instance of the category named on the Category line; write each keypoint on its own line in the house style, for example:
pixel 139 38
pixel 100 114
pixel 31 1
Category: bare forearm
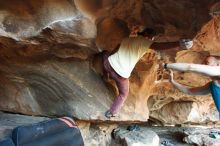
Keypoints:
pixel 203 90
pixel 181 88
pixel 198 68
pixel 189 90
pixel 164 45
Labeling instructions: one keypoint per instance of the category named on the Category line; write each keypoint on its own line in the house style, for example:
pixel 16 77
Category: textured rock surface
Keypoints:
pixel 46 48
pixel 57 88
pixel 201 138
pixel 143 137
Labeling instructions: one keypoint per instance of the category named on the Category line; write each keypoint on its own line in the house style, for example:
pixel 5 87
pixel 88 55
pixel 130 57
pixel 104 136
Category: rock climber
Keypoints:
pixel 119 65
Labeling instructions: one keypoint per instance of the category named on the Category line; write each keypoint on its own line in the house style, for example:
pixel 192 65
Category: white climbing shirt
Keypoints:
pixel 128 54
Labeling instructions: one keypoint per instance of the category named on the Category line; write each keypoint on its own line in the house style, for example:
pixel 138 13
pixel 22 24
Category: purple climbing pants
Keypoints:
pixel 122 84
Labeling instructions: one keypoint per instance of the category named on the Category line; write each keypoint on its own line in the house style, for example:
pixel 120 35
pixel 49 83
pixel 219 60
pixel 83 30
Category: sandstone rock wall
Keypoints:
pixel 47 48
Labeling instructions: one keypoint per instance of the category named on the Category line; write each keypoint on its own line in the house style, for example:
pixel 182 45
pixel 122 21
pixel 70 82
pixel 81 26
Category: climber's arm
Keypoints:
pixel 181 44
pixel 203 90
pixel 198 68
pixel 164 45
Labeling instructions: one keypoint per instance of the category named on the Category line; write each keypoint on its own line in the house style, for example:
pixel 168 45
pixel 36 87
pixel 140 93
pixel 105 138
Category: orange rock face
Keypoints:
pixel 47 50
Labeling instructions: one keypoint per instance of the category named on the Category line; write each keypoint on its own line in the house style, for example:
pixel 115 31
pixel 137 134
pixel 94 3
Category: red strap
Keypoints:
pixel 70 119
pixel 68 123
